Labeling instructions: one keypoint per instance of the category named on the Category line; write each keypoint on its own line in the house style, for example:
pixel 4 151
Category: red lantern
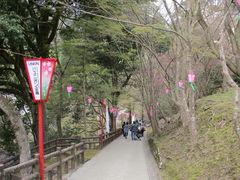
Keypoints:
pixel 191 77
pixel 69 89
pixel 181 84
pixel 167 91
pixel 104 102
pixel 89 100
pixel 40 72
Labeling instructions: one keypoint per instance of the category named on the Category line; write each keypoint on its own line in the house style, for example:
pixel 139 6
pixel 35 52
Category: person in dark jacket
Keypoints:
pixel 125 130
pixel 134 129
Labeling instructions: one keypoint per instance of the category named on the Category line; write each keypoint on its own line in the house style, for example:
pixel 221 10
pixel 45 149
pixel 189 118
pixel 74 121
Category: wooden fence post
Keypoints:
pixel 101 140
pixel 1 171
pixel 66 167
pixel 79 139
pixel 56 143
pixel 50 175
pixel 36 156
pixel 82 158
pixel 59 168
pixel 77 156
pixel 74 156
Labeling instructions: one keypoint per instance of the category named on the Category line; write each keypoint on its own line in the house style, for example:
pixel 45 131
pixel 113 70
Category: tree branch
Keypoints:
pixel 124 21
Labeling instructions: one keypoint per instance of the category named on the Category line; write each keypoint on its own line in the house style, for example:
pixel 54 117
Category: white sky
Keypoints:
pixel 162 8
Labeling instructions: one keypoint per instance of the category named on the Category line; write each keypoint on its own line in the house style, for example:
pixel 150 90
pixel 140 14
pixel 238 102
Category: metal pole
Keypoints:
pixel 40 140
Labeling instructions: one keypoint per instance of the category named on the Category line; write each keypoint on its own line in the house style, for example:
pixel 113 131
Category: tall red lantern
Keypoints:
pixel 40 73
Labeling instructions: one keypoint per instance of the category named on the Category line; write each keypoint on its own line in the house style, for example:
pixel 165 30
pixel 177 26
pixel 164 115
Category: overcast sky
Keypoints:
pixel 162 10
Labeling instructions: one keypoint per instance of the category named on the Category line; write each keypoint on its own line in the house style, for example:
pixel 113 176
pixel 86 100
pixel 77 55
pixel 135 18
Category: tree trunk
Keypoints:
pixel 84 98
pixel 34 110
pixel 184 110
pixel 18 127
pixel 153 119
pixel 180 95
pixel 236 116
pixel 193 5
pixel 60 92
pixel 193 123
pixel 115 95
pixel 230 83
pixel 60 108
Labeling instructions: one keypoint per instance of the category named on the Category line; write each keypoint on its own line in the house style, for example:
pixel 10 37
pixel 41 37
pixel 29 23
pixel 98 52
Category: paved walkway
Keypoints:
pixel 121 160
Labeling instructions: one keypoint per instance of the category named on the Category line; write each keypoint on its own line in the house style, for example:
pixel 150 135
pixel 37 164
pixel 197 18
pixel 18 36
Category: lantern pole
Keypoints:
pixel 40 140
pixel 40 72
pixel 115 121
pixel 102 125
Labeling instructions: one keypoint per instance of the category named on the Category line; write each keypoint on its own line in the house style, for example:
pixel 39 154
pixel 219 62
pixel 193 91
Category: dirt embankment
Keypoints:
pixel 217 155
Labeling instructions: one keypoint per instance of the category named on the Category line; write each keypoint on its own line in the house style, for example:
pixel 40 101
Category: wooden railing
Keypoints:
pixel 91 142
pixel 107 138
pixel 61 156
pixel 58 164
pixel 112 136
pixel 98 142
pixel 49 147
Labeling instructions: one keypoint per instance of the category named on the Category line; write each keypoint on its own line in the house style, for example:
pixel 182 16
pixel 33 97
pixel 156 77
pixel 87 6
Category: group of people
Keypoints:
pixel 137 130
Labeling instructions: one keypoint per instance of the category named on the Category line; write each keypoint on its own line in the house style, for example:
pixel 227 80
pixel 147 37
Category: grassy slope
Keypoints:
pixel 218 154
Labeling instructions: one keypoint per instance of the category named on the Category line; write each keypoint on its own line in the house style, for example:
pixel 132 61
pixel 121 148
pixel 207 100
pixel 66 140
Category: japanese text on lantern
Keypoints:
pixel 34 74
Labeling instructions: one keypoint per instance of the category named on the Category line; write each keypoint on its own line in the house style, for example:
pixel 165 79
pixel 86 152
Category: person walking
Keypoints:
pixel 134 129
pixel 123 128
pixel 140 132
pixel 126 129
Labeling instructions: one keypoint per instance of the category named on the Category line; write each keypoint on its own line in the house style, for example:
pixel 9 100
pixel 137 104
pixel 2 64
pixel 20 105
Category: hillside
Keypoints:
pixel 216 157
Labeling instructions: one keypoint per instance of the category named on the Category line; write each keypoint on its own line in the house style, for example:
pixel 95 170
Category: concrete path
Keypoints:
pixel 123 159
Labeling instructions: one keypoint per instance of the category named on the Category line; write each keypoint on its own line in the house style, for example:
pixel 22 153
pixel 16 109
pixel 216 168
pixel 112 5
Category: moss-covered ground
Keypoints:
pixel 217 156
pixel 90 153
